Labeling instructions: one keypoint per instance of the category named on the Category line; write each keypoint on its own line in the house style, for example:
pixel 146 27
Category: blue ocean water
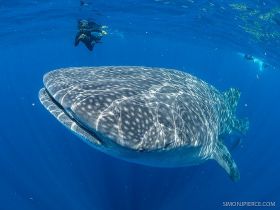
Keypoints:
pixel 44 166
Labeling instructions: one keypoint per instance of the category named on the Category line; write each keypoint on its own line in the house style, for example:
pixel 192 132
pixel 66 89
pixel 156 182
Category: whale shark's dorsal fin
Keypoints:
pixel 232 97
pixel 223 157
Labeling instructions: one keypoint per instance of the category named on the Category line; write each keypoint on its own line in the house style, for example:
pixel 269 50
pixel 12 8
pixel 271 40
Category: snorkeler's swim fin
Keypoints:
pixel 77 40
pixel 89 46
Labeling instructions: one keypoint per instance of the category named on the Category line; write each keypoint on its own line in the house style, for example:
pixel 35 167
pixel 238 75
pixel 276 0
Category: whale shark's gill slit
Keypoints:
pixel 71 115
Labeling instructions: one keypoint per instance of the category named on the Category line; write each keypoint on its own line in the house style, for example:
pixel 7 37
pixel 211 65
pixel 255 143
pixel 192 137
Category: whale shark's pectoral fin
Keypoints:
pixel 223 157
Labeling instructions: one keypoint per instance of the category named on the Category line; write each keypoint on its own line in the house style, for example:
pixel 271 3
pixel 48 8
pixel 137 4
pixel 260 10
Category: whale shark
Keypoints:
pixel 146 115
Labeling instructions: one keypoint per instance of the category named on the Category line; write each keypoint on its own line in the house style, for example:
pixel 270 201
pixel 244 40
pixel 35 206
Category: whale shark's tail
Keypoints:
pixel 233 123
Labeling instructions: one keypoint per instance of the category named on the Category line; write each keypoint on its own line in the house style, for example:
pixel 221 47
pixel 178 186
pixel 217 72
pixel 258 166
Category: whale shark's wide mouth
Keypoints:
pixel 75 119
pixel 67 118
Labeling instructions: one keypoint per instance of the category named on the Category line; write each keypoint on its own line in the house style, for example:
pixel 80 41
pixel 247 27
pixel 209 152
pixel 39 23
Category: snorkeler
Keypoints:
pixel 261 64
pixel 89 33
pixel 257 61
